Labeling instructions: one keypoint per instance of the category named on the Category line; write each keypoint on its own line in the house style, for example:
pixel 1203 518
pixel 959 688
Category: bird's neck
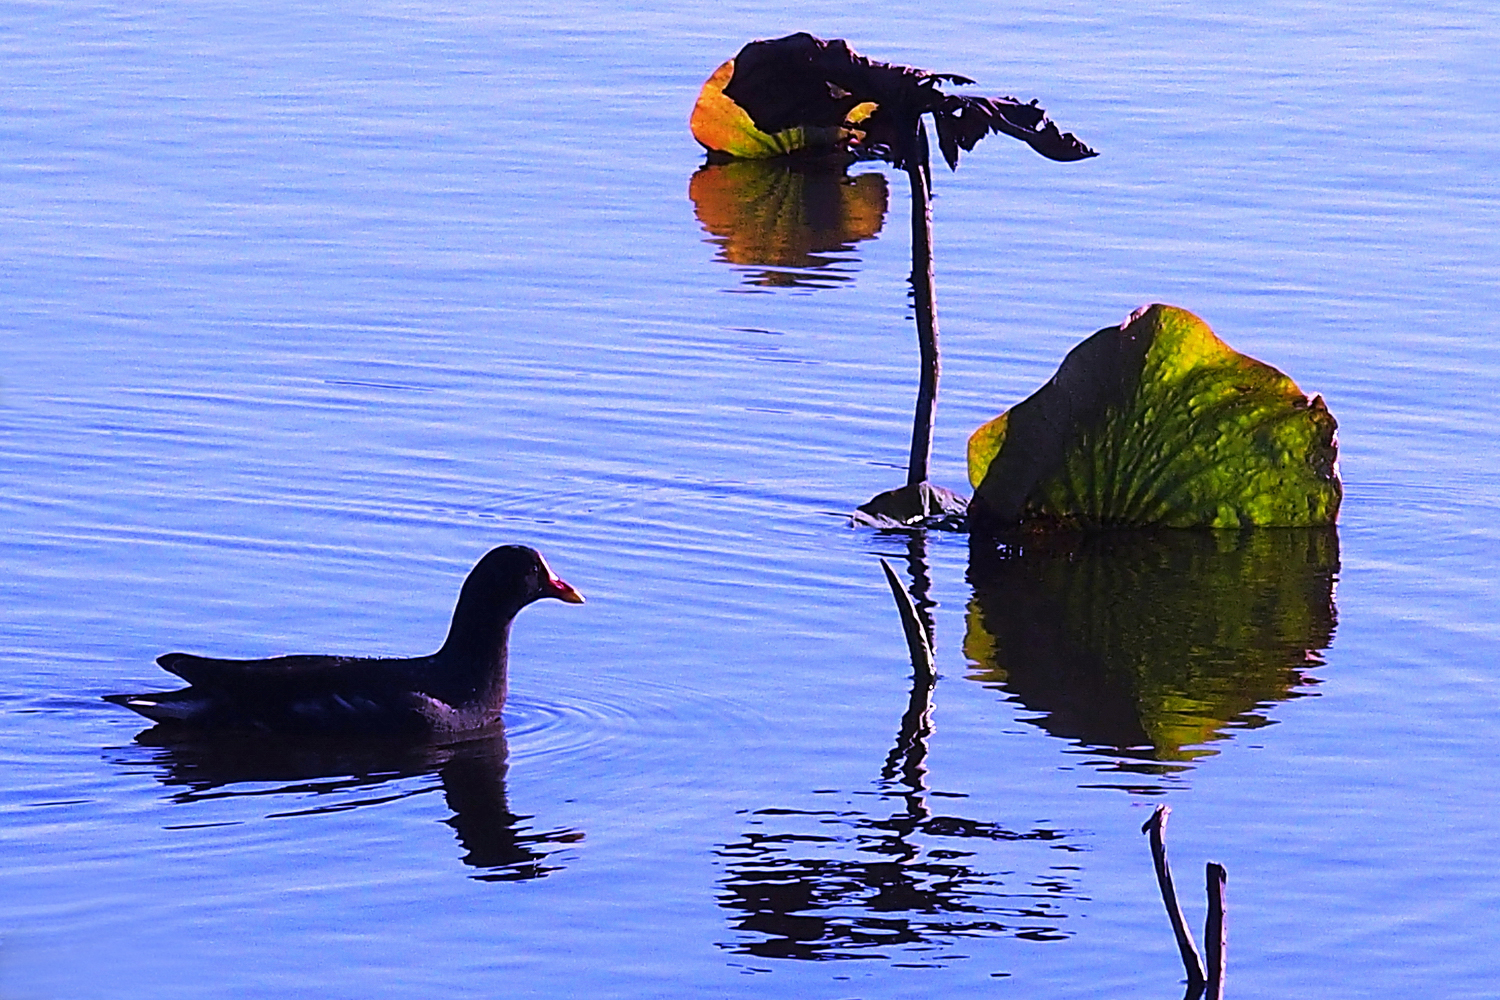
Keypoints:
pixel 475 656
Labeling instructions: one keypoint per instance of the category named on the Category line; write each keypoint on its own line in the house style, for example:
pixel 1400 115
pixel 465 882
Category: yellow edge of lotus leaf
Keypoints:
pixel 722 126
pixel 984 444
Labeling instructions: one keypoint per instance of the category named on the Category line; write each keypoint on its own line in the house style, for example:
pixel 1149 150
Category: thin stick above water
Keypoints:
pixel 1156 826
pixel 1213 929
pixel 918 642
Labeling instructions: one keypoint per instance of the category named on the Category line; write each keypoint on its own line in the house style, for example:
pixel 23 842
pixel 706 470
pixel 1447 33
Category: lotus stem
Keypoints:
pixel 925 306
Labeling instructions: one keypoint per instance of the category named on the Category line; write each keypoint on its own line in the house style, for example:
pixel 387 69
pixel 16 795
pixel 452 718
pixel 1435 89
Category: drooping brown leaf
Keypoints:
pixel 802 81
pixel 799 80
pixel 962 121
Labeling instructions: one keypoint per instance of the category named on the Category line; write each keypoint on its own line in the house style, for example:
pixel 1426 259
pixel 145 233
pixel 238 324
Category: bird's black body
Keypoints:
pixel 460 687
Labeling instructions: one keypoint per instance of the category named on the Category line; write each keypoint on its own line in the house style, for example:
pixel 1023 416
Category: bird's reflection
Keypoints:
pixel 788 222
pixel 326 775
pixel 881 873
pixel 1144 648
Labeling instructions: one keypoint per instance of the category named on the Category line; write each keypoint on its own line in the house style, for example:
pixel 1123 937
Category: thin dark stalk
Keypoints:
pixel 925 306
pixel 1213 931
pixel 908 758
pixel 1156 826
pixel 918 641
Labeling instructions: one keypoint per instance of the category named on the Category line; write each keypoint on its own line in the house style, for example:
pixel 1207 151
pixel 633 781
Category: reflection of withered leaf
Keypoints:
pixel 1151 644
pixel 840 884
pixel 772 214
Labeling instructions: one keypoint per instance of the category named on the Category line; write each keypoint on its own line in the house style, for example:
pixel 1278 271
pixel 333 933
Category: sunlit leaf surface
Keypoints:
pixel 722 126
pixel 1158 422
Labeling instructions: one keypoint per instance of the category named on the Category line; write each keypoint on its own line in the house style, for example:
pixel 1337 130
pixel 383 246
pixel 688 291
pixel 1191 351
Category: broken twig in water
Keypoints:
pixel 917 639
pixel 1156 827
pixel 1213 929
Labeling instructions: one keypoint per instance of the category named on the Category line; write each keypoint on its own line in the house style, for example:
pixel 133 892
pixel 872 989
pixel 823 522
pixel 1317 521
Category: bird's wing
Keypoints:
pixel 277 671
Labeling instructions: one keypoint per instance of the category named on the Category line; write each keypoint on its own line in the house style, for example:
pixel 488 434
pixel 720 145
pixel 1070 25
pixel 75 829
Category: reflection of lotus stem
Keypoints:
pixel 924 305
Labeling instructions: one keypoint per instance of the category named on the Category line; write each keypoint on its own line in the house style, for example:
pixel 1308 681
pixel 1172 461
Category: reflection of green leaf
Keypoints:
pixel 1151 642
pixel 1159 423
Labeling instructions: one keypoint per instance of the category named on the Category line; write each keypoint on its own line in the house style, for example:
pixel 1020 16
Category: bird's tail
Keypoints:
pixel 157 707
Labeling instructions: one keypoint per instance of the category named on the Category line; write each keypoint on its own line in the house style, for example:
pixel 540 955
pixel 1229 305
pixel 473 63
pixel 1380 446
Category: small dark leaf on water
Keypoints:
pixel 923 505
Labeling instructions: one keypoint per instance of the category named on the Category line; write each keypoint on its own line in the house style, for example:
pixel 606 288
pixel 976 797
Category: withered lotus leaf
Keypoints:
pixel 799 80
pixel 722 126
pixel 1159 423
pixel 785 95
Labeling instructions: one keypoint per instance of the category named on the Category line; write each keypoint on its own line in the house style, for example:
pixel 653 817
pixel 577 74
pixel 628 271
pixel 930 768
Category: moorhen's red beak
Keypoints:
pixel 562 591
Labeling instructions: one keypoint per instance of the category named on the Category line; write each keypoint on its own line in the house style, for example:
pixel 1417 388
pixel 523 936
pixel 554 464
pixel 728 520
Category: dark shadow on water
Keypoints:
pixel 788 223
pixel 882 874
pixel 327 775
pixel 1145 648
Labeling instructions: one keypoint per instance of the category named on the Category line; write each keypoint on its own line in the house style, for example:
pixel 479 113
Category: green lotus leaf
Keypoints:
pixel 1158 423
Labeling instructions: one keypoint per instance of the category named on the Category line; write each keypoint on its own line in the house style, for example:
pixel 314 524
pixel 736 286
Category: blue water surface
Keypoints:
pixel 306 308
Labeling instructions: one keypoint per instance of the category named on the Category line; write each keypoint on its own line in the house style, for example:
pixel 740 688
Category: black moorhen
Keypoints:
pixel 460 687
